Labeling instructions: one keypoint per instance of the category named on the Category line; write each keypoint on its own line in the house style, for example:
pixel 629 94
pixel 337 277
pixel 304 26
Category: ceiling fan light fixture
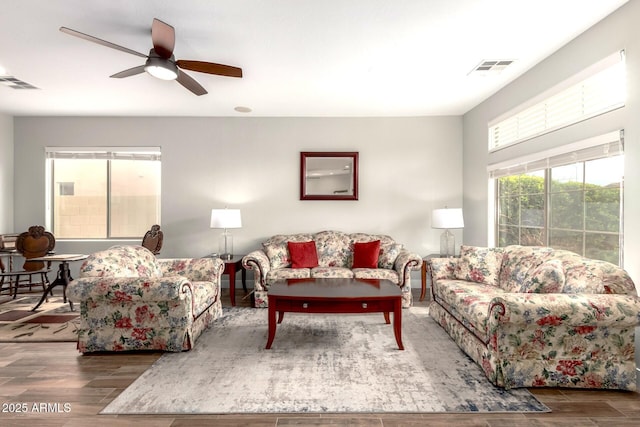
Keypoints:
pixel 161 68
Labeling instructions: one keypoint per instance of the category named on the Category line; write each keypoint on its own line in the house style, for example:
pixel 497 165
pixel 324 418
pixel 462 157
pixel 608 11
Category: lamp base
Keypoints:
pixel 447 244
pixel 226 245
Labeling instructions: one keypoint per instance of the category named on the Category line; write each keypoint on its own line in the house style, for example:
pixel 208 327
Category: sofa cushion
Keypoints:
pixel 547 278
pixel 582 275
pixel 582 279
pixel 277 250
pixel 376 273
pixel 288 273
pixel 517 263
pixel 481 265
pixel 332 272
pixel 366 254
pixel 388 254
pixel 278 255
pixel 303 254
pixel 334 249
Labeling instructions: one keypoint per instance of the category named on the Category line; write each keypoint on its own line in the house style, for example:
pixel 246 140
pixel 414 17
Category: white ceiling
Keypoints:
pixel 299 57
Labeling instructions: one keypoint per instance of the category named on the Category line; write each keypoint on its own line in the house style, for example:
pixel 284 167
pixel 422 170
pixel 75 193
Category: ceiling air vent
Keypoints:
pixel 493 66
pixel 15 83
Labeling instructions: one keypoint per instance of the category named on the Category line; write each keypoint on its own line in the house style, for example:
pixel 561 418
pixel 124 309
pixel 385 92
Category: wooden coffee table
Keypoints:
pixel 335 296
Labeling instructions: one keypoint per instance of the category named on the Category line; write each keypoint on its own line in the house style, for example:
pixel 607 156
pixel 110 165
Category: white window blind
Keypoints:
pixel 120 153
pixel 611 144
pixel 596 90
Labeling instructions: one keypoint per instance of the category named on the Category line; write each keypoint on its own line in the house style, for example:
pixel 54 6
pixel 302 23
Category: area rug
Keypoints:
pixel 52 322
pixel 318 364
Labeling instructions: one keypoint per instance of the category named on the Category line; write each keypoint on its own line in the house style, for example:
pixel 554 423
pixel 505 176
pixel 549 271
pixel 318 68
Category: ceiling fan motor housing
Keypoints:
pixel 162 68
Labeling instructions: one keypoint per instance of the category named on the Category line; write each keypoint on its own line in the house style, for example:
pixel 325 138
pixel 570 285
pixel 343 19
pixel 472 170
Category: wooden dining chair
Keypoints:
pixel 152 239
pixel 34 243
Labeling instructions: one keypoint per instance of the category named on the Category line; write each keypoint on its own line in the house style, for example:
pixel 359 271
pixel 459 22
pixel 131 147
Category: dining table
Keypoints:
pixel 64 276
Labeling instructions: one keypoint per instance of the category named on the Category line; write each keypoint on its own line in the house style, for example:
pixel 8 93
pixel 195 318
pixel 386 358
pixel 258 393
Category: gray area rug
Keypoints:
pixel 318 364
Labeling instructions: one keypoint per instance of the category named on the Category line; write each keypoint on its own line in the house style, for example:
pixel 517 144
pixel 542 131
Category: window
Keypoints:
pixel 567 201
pixel 101 194
pixel 596 90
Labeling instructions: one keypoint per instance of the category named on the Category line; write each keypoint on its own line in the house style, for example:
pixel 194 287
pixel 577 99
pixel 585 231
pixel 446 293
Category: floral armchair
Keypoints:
pixel 130 300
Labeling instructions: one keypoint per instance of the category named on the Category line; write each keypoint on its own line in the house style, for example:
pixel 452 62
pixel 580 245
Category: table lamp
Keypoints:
pixel 225 219
pixel 447 219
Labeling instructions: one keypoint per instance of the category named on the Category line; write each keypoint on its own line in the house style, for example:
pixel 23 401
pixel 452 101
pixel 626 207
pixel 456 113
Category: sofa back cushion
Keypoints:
pixel 277 250
pixel 557 270
pixel 478 264
pixel 547 278
pixel 121 261
pixel 334 249
pixel 616 280
pixel 582 275
pixel 389 249
pixel 519 263
pixel 303 254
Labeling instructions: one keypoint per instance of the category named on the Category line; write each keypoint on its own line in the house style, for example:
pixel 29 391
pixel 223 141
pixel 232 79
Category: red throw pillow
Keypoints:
pixel 303 254
pixel 365 255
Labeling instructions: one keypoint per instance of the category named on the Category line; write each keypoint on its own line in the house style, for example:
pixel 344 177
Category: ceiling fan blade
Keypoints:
pixel 187 81
pixel 100 41
pixel 163 36
pixel 130 72
pixel 210 68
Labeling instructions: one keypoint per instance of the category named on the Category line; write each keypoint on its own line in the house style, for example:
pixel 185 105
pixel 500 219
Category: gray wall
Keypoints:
pixel 408 166
pixel 6 174
pixel 616 32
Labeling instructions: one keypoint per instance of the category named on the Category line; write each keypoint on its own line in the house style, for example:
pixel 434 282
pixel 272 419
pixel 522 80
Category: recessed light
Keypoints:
pixel 3 71
pixel 241 109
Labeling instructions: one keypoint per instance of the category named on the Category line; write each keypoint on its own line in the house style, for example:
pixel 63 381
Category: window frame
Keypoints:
pixel 100 153
pixel 547 188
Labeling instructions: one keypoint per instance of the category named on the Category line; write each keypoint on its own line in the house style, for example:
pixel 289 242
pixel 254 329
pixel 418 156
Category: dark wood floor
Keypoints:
pixel 71 390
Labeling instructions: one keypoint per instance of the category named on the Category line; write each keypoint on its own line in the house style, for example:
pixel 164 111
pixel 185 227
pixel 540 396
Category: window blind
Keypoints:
pixel 611 144
pixel 597 90
pixel 112 153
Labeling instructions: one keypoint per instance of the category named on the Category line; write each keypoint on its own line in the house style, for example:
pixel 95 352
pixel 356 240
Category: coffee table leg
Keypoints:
pixel 397 323
pixel 387 320
pixel 272 322
pixel 280 316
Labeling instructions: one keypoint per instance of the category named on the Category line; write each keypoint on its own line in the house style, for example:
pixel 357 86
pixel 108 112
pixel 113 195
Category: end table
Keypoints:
pixel 231 266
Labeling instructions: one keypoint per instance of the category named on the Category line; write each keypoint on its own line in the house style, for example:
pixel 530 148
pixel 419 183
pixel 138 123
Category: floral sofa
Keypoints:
pixel 539 317
pixel 130 300
pixel 335 258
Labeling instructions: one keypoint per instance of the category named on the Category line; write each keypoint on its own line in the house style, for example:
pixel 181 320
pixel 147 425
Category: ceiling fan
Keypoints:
pixel 161 62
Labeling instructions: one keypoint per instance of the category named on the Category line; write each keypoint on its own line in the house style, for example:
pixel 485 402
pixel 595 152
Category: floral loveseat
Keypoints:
pixel 130 300
pixel 536 317
pixel 335 258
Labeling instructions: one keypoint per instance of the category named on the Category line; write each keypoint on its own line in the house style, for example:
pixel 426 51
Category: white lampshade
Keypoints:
pixel 447 218
pixel 226 218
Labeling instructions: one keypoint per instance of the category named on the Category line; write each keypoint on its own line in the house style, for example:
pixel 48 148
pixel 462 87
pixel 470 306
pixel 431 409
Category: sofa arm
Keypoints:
pixel 565 309
pixel 404 263
pixel 126 289
pixel 443 268
pixel 194 269
pixel 259 263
